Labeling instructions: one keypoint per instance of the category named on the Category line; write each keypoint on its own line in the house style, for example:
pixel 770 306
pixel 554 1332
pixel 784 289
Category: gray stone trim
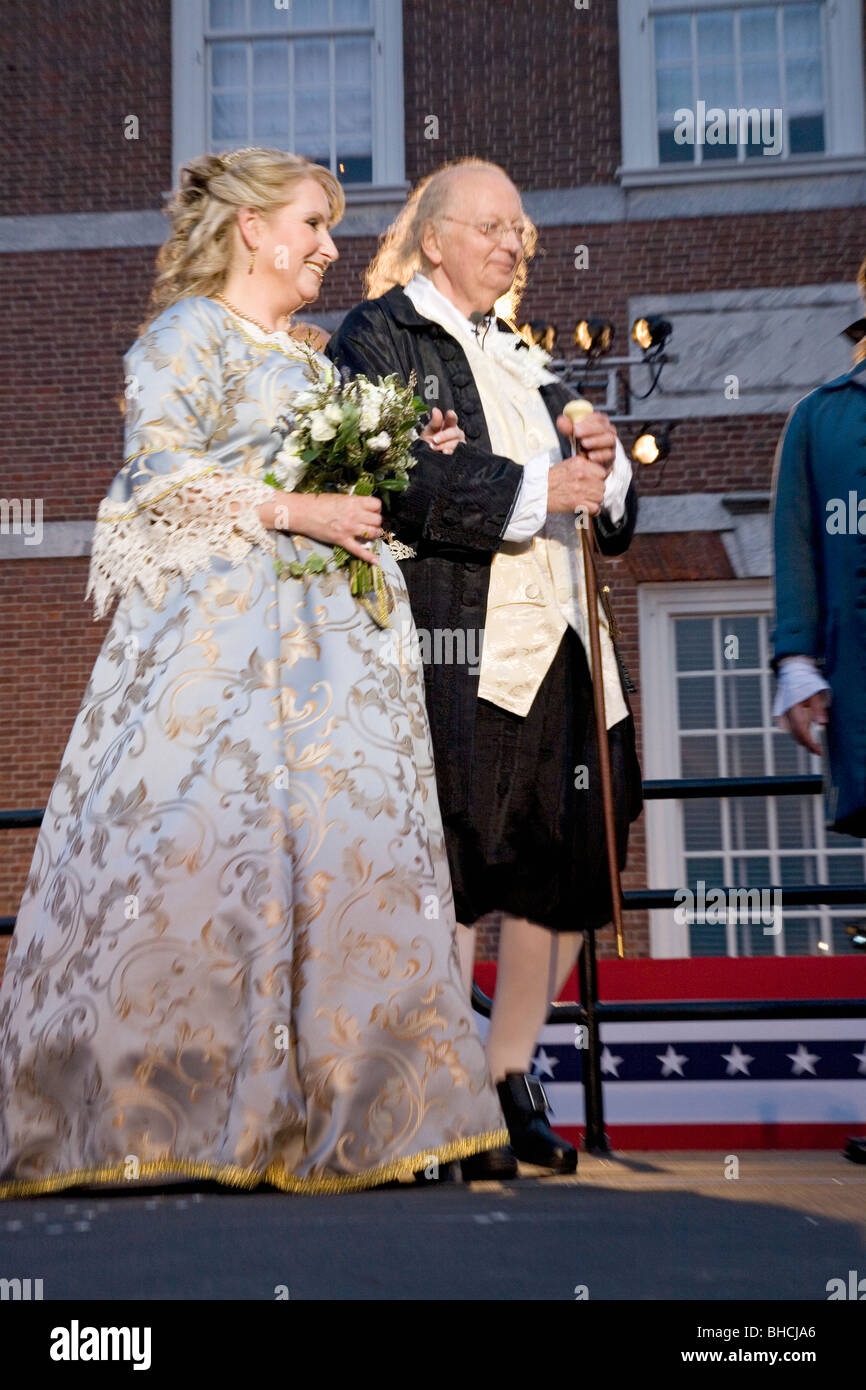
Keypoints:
pixel 96 231
pixel 777 343
pixel 59 540
pixel 329 321
pixel 697 511
pixel 842 293
pixel 743 519
pixel 555 207
pixel 82 231
pixel 656 198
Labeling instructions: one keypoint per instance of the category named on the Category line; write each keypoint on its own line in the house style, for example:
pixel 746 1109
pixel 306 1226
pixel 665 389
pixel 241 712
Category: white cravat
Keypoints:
pixel 537 587
pixel 530 508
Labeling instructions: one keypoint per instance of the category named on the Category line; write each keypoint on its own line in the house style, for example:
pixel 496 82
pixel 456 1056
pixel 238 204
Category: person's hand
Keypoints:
pixel 311 334
pixel 594 437
pixel 798 720
pixel 575 484
pixel 443 434
pixel 332 517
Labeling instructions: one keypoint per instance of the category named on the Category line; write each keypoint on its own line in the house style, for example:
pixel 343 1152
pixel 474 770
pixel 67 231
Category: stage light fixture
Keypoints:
pixel 538 333
pixel 651 332
pixel 652 444
pixel 594 336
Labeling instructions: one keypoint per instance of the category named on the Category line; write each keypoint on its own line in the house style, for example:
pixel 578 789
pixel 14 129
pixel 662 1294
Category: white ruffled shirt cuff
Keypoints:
pixel 530 509
pixel 617 485
pixel 798 680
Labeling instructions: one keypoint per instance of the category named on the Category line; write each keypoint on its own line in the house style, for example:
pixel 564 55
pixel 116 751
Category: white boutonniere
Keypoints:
pixel 527 364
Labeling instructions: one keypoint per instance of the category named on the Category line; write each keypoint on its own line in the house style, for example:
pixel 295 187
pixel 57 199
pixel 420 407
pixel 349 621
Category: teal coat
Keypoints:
pixel 819 522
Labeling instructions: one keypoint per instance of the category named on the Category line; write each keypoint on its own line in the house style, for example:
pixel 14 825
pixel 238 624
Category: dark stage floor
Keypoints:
pixel 630 1226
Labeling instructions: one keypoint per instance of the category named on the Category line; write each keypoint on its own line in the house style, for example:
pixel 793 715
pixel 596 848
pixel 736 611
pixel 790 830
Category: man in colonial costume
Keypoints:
pixel 489 548
pixel 819 643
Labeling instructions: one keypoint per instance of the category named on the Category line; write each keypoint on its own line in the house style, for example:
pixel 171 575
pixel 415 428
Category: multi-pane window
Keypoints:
pixel 296 75
pixel 724 691
pixel 762 58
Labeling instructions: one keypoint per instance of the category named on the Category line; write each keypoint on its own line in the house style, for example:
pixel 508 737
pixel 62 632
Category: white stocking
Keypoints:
pixel 534 963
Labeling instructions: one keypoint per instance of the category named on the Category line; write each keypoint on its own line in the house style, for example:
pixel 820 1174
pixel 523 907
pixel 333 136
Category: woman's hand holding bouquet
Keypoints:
pixel 346 446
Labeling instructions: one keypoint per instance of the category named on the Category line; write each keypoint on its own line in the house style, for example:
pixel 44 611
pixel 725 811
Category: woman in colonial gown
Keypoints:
pixel 235 958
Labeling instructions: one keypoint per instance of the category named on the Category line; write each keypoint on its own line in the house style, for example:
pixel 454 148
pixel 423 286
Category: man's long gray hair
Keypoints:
pixel 400 253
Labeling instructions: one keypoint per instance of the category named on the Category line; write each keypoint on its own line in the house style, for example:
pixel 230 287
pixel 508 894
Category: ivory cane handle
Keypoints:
pixel 576 410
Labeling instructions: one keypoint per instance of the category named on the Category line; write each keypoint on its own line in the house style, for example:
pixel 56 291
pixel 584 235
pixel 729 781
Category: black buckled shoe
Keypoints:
pixel 437 1172
pixel 524 1104
pixel 494 1165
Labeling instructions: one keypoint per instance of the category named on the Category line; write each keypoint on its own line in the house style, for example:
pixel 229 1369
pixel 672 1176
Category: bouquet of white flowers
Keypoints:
pixel 351 436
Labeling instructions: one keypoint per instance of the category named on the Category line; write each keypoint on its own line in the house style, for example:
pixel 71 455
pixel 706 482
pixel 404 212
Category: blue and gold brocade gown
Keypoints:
pixel 235 956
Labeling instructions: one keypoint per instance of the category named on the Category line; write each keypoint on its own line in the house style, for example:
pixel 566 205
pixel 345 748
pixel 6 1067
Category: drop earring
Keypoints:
pixel 253 250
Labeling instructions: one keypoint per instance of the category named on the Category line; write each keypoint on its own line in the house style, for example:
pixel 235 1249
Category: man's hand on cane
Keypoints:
pixel 594 435
pixel 578 482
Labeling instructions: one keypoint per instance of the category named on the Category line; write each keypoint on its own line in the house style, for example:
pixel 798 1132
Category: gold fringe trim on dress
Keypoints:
pixel 233 1176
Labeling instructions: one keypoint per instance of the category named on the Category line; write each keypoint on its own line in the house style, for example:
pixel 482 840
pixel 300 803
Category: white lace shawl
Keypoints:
pixel 191 369
pixel 172 527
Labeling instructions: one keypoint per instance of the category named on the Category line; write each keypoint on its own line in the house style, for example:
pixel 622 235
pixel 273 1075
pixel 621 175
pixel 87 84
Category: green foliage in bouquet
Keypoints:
pixel 349 436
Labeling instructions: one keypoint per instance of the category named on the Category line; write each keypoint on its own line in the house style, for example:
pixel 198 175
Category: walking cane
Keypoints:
pixel 576 410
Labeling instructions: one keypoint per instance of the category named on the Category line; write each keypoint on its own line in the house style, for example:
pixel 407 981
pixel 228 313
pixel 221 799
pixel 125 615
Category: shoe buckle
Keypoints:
pixel 537 1094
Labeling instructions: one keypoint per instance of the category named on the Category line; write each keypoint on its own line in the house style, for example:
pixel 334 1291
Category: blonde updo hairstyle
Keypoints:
pixel 196 258
pixel 400 251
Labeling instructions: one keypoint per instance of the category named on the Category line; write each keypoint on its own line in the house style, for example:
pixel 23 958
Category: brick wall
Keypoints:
pixel 69 317
pixel 502 76
pixel 49 644
pixel 71 74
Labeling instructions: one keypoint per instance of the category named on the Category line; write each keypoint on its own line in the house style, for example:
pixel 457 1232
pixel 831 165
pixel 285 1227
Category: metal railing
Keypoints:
pixel 590 1012
pixel 612 375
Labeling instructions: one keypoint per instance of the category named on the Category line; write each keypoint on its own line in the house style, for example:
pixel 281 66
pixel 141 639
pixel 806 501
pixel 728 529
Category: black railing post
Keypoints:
pixel 595 1139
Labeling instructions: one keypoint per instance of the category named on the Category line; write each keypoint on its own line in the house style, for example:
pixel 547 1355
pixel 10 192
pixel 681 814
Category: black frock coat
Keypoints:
pixel 454 511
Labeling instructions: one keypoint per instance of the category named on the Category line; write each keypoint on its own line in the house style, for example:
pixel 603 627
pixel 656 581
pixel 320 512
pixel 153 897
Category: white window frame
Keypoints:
pixel 189 96
pixel 844 100
pixel 658 605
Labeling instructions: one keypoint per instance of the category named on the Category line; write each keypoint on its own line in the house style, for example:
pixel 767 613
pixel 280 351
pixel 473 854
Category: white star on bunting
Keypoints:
pixel 609 1063
pixel 543 1065
pixel 803 1060
pixel 861 1058
pixel 672 1062
pixel 737 1061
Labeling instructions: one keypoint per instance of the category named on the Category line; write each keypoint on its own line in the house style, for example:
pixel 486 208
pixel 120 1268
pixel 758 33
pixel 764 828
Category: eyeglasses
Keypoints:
pixel 494 231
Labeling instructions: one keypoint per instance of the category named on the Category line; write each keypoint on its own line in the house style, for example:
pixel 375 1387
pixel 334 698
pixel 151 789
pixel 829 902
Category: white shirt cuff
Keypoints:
pixel 530 509
pixel 616 486
pixel 798 680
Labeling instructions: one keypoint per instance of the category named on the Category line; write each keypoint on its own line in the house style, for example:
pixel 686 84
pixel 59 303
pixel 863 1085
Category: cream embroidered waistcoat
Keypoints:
pixel 537 587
